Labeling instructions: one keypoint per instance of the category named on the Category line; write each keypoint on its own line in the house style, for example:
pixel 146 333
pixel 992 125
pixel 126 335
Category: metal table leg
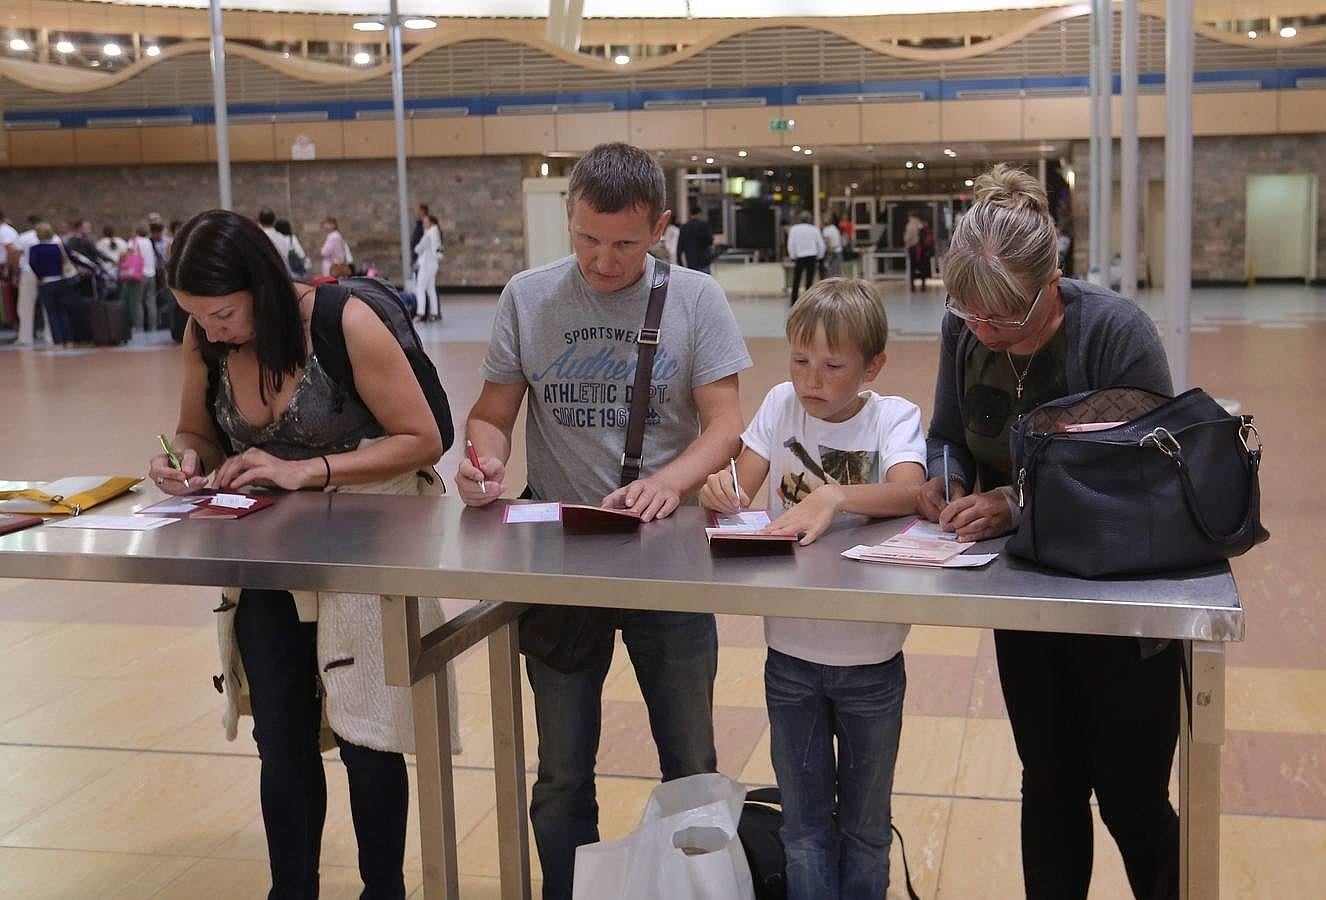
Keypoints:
pixel 1202 731
pixel 509 763
pixel 437 814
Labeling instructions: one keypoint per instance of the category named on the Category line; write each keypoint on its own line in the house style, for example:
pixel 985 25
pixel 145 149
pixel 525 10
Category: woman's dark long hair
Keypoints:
pixel 218 253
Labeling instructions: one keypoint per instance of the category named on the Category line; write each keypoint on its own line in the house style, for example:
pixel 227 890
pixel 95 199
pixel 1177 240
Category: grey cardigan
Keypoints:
pixel 1110 343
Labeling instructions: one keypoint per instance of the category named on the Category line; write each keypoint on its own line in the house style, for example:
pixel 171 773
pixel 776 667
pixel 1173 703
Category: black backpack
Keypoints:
pixel 761 821
pixel 382 298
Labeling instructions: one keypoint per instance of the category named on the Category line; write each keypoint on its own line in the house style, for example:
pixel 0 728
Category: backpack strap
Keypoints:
pixel 327 333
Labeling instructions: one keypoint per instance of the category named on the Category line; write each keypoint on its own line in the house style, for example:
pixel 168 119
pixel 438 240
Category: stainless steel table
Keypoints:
pixel 423 546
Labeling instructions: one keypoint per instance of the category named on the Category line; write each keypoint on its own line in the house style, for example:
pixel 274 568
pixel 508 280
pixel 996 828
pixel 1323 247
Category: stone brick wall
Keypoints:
pixel 477 199
pixel 1220 169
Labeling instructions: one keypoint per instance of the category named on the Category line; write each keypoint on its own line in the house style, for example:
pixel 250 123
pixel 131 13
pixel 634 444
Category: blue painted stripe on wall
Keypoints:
pixel 775 95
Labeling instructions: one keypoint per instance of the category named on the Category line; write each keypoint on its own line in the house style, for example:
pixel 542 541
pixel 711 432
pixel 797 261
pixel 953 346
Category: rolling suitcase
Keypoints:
pixel 110 322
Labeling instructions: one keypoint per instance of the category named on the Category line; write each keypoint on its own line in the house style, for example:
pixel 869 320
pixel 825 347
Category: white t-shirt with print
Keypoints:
pixel 805 452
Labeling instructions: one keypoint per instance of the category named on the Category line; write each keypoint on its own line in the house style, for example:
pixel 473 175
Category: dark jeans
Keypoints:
pixel 59 302
pixel 837 806
pixel 808 265
pixel 280 659
pixel 675 656
pixel 1090 714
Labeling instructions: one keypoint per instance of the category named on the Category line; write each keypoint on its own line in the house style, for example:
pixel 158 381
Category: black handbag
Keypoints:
pixel 1124 481
pixel 572 639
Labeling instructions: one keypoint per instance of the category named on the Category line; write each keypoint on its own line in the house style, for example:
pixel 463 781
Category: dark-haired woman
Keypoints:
pixel 1089 714
pixel 273 417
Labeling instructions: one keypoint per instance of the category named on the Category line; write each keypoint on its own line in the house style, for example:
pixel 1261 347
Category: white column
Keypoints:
pixel 218 57
pixel 398 117
pixel 1178 184
pixel 1102 174
pixel 815 193
pixel 1128 172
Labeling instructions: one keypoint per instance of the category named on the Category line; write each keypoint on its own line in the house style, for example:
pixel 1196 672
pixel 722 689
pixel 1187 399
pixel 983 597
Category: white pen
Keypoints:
pixel 736 488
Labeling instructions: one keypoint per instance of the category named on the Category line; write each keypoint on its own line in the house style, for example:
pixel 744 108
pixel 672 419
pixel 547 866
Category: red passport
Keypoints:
pixel 10 523
pixel 579 518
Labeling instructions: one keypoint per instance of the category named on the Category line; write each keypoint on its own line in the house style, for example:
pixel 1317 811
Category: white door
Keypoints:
pixel 546 237
pixel 1281 226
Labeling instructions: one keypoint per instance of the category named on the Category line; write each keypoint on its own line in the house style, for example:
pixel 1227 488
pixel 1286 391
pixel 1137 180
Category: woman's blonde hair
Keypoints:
pixel 1005 248
pixel 44 231
pixel 848 308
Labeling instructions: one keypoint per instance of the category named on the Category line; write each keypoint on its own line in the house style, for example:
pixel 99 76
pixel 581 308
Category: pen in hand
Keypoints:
pixel 474 461
pixel 736 487
pixel 170 452
pixel 947 489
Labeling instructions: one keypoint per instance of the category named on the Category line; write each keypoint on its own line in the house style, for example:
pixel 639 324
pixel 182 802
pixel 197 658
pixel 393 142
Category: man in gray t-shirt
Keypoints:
pixel 565 337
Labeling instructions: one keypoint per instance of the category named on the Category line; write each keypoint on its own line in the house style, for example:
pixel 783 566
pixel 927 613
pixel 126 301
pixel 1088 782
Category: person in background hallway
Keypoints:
pixel 805 247
pixel 267 220
pixel 142 295
pixel 428 256
pixel 833 247
pixel 27 288
pixel 1089 714
pixel 671 237
pixel 296 259
pixel 250 331
pixel 695 242
pixel 335 252
pixel 57 283
pixel 616 212
pixel 417 233
pixel 8 260
pixel 110 246
pixel 920 251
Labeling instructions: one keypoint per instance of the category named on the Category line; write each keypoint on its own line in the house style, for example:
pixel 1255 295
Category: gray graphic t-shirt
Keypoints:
pixel 576 348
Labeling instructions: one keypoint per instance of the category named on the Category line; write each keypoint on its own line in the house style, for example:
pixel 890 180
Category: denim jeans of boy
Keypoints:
pixel 836 810
pixel 675 656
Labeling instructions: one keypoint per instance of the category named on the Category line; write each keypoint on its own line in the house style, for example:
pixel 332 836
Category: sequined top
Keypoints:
pixel 321 418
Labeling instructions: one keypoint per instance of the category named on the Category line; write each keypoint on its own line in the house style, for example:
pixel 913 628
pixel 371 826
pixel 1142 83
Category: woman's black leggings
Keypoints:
pixel 280 658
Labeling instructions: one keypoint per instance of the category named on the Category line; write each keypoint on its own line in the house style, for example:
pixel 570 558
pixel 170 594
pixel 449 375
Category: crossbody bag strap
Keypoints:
pixel 647 344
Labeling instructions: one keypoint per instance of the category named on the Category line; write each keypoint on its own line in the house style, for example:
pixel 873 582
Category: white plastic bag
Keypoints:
pixel 685 848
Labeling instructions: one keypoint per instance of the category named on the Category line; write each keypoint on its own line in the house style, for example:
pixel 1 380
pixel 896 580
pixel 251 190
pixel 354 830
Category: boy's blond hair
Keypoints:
pixel 850 311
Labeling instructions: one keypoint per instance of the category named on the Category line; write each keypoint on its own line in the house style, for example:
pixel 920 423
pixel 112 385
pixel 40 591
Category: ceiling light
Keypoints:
pixel 709 160
pixel 1252 35
pixel 153 50
pixel 768 172
pixel 369 25
pixel 791 123
pixel 112 50
pixel 695 159
pixel 910 163
pixel 64 47
pixel 796 148
pixel 285 54
pixel 742 153
pixel 95 63
pixel 920 165
pixel 362 58
pixel 621 59
pixel 1288 31
pixel 969 182
pixel 19 44
pixel 808 151
pixel 419 24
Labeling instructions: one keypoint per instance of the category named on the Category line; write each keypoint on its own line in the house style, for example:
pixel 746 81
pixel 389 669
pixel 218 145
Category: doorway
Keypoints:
pixel 1155 234
pixel 1281 226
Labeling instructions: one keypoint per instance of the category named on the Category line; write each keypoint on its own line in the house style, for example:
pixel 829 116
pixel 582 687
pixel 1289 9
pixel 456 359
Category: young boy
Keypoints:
pixel 830 447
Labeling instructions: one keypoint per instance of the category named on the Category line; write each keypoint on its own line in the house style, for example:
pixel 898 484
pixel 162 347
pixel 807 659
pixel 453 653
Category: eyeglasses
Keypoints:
pixel 951 305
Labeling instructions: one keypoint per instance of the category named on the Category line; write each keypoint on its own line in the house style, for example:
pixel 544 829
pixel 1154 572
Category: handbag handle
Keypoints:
pixel 1166 443
pixel 647 344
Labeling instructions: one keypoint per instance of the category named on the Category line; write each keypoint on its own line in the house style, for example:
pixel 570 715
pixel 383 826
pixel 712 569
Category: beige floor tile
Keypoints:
pixel 759 768
pixel 935 640
pixel 740 680
pixel 113 713
pixel 87 651
pixel 1286 700
pixel 476 730
pixel 22 694
pixel 33 779
pixel 478 887
pixel 15 633
pixel 192 658
pixel 477 851
pixel 989 767
pixel 980 855
pixel 923 823
pixel 1272 857
pixel 205 734
pixel 73 875
pixel 212 878
pixel 174 805
pixel 928 755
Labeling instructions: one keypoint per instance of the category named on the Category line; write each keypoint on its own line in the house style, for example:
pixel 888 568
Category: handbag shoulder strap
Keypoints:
pixel 647 344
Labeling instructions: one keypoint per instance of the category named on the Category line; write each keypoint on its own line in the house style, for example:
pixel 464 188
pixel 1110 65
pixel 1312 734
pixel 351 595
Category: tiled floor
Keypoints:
pixel 115 779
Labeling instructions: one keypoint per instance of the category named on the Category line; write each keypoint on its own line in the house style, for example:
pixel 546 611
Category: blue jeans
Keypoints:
pixel 675 657
pixel 836 848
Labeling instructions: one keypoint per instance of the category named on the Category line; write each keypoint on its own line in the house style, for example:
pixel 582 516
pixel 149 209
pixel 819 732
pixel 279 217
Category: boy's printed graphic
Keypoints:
pixel 802 473
pixel 589 384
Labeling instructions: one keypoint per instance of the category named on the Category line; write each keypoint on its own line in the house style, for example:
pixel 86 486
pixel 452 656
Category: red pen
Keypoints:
pixel 474 461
